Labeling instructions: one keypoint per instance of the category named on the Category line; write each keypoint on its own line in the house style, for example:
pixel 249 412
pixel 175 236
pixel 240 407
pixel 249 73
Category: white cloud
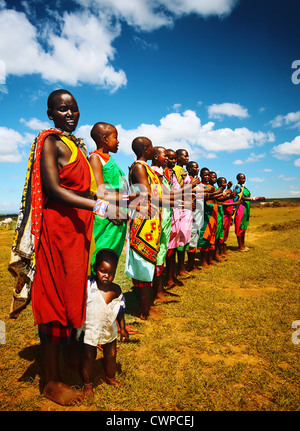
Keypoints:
pixel 287 149
pixel 294 192
pixel 292 120
pixel 175 131
pixel 84 40
pixel 238 162
pixel 200 7
pixel 148 15
pixel 77 47
pixel 227 109
pixel 36 124
pixel 282 177
pixel 297 163
pixel 185 131
pixel 176 106
pixel 10 141
pixel 251 159
pixel 256 180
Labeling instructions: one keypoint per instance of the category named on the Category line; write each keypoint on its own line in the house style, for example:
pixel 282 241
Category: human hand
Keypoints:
pixel 124 336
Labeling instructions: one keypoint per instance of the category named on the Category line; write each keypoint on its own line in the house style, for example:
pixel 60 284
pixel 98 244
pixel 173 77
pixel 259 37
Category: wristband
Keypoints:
pixel 254 199
pixel 125 197
pixel 100 207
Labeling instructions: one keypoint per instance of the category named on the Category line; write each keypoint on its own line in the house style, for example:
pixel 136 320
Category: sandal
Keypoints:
pixel 130 329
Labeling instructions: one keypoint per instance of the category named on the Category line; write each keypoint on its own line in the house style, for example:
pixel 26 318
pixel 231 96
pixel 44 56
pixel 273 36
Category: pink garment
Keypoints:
pixel 182 220
pixel 238 218
pixel 227 219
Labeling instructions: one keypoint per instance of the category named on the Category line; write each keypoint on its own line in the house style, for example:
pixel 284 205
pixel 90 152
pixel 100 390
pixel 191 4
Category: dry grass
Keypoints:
pixel 224 343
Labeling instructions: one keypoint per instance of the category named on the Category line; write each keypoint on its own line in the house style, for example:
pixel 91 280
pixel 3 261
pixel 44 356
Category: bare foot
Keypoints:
pixel 113 382
pixel 155 313
pixel 161 297
pixel 62 394
pixel 88 391
pixel 183 274
pixel 195 269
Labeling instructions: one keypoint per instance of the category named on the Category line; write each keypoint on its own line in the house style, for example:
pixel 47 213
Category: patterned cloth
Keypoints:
pixel 242 212
pixel 55 333
pixel 207 237
pixel 166 220
pixel 144 236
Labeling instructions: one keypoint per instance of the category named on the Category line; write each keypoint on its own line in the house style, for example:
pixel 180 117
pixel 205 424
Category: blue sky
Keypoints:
pixel 220 78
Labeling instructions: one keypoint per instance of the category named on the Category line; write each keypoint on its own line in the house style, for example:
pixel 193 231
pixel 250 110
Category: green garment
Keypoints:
pixel 105 233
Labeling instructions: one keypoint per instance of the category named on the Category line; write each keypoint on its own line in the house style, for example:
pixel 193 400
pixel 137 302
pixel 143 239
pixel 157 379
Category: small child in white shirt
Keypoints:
pixel 105 306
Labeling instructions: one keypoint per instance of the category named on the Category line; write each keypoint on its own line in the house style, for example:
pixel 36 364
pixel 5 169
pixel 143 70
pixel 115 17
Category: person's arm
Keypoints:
pixel 260 199
pixel 121 318
pixel 55 155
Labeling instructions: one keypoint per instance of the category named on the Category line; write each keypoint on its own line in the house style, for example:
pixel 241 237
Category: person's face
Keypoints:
pixel 112 142
pixel 65 113
pixel 106 272
pixel 171 159
pixel 241 179
pixel 223 182
pixel 213 177
pixel 162 158
pixel 183 159
pixel 205 176
pixel 194 170
pixel 149 151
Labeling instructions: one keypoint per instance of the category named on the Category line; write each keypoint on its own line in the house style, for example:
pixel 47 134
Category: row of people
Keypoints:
pixel 75 213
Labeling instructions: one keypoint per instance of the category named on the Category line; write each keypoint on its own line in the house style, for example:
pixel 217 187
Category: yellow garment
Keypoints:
pixel 74 149
pixel 180 173
pixel 144 232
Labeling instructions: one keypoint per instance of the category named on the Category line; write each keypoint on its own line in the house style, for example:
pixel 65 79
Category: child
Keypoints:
pixel 57 216
pixel 105 305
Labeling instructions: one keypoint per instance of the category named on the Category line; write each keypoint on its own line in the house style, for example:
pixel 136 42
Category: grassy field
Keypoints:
pixel 223 343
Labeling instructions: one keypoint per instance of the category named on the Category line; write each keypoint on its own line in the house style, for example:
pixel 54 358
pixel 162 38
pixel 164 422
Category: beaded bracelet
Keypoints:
pixel 100 207
pixel 125 197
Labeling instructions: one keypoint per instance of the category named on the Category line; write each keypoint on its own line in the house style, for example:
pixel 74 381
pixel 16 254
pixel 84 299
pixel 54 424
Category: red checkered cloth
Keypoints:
pixel 55 333
pixel 140 283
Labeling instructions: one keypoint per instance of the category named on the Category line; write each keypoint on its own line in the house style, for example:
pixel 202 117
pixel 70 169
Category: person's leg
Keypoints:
pixel 89 354
pixel 204 259
pixel 54 389
pixel 171 271
pixel 110 356
pixel 181 269
pixel 144 301
pixel 192 267
pixel 241 241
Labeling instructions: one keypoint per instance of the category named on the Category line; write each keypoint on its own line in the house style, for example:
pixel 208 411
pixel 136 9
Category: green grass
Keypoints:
pixel 223 344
